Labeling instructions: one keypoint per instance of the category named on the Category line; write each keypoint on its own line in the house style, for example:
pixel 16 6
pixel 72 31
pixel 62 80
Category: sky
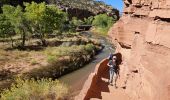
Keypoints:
pixel 115 3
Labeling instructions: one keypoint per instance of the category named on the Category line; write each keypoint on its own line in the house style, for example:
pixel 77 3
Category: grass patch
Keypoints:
pixel 101 31
pixel 44 89
pixel 62 60
pixel 51 58
pixel 64 51
pixel 89 47
pixel 34 62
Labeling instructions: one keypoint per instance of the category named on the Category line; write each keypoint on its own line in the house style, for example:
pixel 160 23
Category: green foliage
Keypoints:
pixel 34 12
pixel 6 29
pixel 89 20
pixel 89 47
pixel 44 89
pixel 62 60
pixel 65 51
pixel 44 19
pixel 54 19
pixel 102 21
pixel 39 19
pixel 34 62
pixel 74 23
pixel 51 59
pixel 15 16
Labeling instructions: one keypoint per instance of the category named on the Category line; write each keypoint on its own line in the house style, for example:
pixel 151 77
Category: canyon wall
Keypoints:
pixel 142 36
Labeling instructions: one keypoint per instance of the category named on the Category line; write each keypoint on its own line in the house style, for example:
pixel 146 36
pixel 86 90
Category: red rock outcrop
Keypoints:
pixel 142 36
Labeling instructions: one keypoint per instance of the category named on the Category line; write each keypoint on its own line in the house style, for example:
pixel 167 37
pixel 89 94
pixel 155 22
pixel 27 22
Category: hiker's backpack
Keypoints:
pixel 110 57
pixel 112 64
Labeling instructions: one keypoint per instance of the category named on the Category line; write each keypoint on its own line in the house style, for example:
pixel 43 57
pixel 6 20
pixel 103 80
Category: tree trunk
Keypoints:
pixel 44 43
pixel 12 42
pixel 23 39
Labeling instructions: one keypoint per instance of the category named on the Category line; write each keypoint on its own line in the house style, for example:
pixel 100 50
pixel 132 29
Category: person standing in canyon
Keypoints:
pixel 112 66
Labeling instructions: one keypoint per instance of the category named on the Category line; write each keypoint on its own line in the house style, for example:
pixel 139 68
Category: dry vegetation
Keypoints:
pixel 41 64
pixel 44 89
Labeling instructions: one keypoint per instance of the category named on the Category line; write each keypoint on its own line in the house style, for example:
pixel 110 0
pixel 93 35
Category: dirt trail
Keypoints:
pixel 99 87
pixel 104 91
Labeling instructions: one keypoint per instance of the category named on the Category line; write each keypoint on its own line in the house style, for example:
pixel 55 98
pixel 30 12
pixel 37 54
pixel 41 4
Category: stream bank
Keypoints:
pixel 76 79
pixel 62 56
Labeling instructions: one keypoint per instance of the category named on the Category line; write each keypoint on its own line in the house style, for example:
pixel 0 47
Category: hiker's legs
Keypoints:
pixel 115 79
pixel 111 74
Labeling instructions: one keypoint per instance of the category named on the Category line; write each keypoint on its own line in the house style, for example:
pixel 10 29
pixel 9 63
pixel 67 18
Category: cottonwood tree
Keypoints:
pixel 6 29
pixel 44 19
pixel 16 18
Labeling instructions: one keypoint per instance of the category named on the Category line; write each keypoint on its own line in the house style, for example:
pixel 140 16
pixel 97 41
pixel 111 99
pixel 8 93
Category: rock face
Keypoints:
pixel 142 36
pixel 85 8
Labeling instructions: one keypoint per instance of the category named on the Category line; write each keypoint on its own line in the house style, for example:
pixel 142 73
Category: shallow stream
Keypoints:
pixel 76 79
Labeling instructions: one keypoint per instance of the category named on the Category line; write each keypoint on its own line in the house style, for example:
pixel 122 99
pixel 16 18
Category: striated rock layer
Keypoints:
pixel 142 36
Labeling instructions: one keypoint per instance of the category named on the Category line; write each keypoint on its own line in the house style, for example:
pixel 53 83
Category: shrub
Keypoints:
pixel 89 20
pixel 44 89
pixel 89 47
pixel 102 23
pixel 51 59
pixel 74 23
pixel 34 62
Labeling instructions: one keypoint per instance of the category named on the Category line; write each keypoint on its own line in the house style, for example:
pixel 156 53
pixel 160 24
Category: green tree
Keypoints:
pixel 103 21
pixel 53 19
pixel 34 14
pixel 44 19
pixel 6 29
pixel 17 20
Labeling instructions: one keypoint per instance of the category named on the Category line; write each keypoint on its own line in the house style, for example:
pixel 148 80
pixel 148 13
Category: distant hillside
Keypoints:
pixel 84 6
pixel 77 8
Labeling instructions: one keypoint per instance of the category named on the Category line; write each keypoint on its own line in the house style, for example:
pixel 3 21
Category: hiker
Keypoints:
pixel 112 66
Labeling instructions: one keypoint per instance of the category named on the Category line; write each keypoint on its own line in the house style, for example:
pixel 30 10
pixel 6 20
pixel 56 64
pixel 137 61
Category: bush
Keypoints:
pixel 89 47
pixel 65 51
pixel 74 23
pixel 102 23
pixel 34 62
pixel 44 89
pixel 89 20
pixel 51 59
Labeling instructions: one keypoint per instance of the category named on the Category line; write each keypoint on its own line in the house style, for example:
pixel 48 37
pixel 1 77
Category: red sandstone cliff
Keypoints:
pixel 142 36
